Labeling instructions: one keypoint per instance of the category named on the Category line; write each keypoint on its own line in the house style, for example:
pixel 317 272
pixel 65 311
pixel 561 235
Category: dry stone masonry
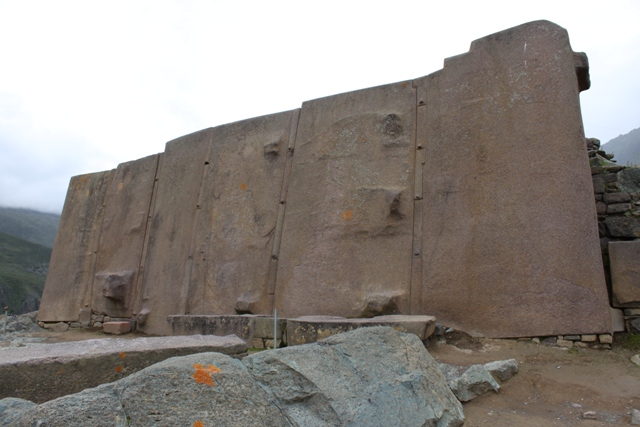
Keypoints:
pixel 423 197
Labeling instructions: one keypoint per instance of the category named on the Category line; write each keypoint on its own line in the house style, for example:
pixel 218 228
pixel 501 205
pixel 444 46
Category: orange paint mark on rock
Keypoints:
pixel 198 424
pixel 118 368
pixel 203 375
pixel 122 355
pixel 243 187
pixel 347 215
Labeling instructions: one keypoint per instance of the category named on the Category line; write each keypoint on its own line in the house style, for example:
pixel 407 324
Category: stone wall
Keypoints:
pixel 427 196
pixel 617 194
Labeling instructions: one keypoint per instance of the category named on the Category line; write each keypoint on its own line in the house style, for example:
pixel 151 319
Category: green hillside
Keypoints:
pixel 29 225
pixel 23 269
pixel 625 148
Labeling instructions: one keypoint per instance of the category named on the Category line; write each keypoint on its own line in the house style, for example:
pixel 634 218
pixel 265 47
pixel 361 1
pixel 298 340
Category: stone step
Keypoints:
pixel 296 331
pixel 45 372
pixel 308 329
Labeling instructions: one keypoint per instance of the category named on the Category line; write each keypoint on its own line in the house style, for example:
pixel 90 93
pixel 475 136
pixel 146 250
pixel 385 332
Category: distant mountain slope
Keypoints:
pixel 23 269
pixel 29 225
pixel 626 148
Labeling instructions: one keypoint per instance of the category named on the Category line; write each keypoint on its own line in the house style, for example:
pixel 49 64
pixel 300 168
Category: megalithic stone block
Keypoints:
pixel 122 238
pixel 348 226
pixel 69 280
pixel 169 252
pixel 237 217
pixel 510 232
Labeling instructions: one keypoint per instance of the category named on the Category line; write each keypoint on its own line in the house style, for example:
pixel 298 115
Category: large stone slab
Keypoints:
pixel 309 329
pixel 207 389
pixel 124 227
pixel 69 280
pixel 236 222
pixel 246 326
pixel 625 273
pixel 45 372
pixel 349 217
pixel 170 249
pixel 510 234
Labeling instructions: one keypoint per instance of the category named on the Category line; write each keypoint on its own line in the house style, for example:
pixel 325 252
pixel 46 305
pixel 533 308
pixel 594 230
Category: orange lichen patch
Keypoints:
pixel 122 355
pixel 404 85
pixel 364 139
pixel 347 215
pixel 118 368
pixel 243 187
pixel 60 372
pixel 120 185
pixel 198 424
pixel 203 375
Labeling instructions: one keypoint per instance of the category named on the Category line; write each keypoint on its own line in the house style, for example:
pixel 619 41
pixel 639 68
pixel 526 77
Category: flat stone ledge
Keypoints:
pixel 308 329
pixel 45 372
pixel 245 326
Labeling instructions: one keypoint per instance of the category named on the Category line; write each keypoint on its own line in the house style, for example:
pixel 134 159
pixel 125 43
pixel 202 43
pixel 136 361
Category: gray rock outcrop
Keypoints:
pixel 373 376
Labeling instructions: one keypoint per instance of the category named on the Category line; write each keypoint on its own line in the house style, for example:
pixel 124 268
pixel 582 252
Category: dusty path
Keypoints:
pixel 554 386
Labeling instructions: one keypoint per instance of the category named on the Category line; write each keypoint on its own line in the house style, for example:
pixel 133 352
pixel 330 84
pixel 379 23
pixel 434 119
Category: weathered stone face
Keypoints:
pixel 625 273
pixel 70 278
pixel 348 224
pixel 465 194
pixel 237 219
pixel 509 220
pixel 124 227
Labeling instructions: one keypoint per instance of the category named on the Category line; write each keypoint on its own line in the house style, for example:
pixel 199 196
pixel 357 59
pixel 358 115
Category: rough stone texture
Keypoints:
pixel 169 252
pixel 11 408
pixel 467 383
pixel 240 326
pixel 635 417
pixel 208 387
pixel 502 369
pixel 309 329
pixel 70 276
pixel 621 226
pixel 367 377
pixel 625 272
pixel 123 234
pixel 236 224
pixel 116 328
pixel 49 371
pixel 617 320
pixel 347 231
pixel 484 239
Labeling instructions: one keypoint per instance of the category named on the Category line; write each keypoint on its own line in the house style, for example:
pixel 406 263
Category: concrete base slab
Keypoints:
pixel 42 373
pixel 308 329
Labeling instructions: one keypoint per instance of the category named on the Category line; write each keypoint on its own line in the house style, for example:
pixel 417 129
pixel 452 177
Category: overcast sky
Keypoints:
pixel 86 85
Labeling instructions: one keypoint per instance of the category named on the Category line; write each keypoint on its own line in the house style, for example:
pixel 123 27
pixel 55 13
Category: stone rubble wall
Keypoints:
pixel 617 195
pixel 423 197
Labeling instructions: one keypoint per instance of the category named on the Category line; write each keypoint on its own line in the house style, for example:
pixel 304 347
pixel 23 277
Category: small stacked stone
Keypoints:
pixel 595 341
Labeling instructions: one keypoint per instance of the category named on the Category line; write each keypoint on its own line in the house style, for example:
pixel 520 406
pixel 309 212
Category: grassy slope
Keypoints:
pixel 29 225
pixel 23 267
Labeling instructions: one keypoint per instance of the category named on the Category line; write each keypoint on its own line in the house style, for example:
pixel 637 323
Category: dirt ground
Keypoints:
pixel 554 387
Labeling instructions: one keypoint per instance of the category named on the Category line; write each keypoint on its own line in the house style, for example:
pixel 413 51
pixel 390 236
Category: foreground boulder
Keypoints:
pixel 369 377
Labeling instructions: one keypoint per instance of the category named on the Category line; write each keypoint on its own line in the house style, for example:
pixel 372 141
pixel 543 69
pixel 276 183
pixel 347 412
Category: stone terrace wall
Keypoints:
pixel 428 196
pixel 617 194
